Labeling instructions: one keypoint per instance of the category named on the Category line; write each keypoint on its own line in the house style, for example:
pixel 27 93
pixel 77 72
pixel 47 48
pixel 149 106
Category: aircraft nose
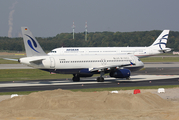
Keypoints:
pixel 141 64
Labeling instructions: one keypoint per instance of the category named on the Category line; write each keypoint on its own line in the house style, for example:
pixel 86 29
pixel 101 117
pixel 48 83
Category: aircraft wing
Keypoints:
pixel 106 68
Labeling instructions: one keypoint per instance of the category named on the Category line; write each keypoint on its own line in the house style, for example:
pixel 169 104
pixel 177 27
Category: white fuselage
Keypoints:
pixel 77 62
pixel 137 51
pixel 158 46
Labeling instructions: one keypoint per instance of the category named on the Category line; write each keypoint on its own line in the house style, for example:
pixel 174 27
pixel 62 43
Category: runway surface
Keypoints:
pixel 139 80
pixel 152 75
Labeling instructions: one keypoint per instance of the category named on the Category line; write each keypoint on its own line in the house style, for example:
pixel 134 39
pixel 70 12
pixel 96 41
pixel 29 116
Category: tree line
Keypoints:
pixel 94 39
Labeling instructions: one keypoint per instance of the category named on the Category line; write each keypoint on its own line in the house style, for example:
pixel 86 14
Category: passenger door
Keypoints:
pixel 52 62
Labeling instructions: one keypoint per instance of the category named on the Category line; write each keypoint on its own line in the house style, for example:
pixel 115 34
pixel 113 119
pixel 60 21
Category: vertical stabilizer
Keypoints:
pixel 32 47
pixel 161 41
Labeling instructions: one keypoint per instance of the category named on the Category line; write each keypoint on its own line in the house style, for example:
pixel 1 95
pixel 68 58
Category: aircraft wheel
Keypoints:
pixel 100 79
pixel 128 78
pixel 76 79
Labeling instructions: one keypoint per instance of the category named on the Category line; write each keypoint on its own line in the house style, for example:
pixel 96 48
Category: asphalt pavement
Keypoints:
pixel 153 74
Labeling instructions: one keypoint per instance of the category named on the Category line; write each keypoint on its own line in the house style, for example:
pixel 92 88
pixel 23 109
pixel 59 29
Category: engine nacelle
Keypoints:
pixel 85 73
pixel 121 73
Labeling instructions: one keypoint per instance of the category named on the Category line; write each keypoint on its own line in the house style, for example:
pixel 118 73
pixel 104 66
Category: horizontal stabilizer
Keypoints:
pixel 164 50
pixel 10 59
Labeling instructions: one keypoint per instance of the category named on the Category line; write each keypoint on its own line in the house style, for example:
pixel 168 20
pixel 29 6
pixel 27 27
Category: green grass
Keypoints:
pixel 19 93
pixel 160 59
pixel 28 74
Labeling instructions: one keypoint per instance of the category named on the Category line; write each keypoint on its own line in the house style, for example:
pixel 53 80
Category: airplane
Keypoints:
pixel 158 47
pixel 118 66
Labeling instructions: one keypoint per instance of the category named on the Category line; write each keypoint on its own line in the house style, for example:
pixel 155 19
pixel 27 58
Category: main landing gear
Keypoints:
pixel 76 78
pixel 100 79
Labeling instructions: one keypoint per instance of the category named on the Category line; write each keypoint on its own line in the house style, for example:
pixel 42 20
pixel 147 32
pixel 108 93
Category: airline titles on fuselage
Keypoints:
pixel 139 51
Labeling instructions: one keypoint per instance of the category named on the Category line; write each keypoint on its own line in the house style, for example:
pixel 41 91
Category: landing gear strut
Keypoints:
pixel 76 78
pixel 100 79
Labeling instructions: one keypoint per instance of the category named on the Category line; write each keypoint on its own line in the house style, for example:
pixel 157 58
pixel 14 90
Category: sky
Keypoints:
pixel 47 18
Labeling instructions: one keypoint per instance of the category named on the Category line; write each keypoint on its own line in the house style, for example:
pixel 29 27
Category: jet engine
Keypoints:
pixel 120 73
pixel 85 73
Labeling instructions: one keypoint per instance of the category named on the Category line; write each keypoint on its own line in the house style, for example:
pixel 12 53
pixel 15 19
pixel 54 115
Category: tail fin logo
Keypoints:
pixel 30 44
pixel 160 41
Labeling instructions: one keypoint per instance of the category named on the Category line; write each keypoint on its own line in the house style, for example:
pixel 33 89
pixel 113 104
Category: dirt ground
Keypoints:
pixel 6 53
pixel 66 105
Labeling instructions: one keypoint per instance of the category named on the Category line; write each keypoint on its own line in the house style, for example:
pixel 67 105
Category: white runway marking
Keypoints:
pixel 88 81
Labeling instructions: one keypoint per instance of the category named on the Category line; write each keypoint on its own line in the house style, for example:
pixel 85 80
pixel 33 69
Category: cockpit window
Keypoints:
pixel 53 52
pixel 139 60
